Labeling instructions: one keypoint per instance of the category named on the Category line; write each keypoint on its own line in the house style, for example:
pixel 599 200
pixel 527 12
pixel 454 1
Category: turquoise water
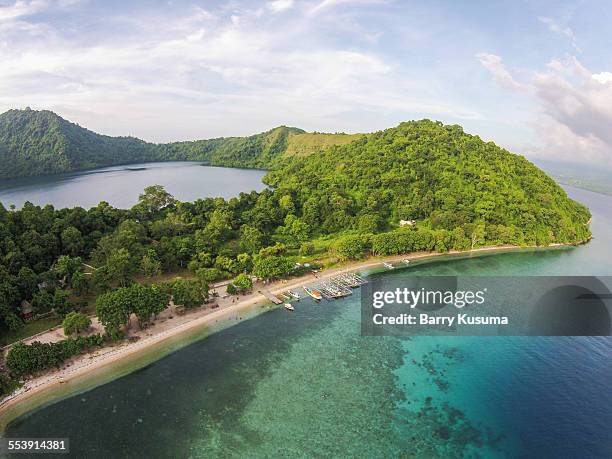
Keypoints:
pixel 307 384
pixel 121 185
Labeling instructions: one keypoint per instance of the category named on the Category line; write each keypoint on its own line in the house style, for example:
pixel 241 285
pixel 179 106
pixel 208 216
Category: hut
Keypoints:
pixel 27 311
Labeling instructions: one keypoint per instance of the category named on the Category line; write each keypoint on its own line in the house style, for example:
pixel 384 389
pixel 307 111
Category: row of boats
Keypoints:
pixel 334 287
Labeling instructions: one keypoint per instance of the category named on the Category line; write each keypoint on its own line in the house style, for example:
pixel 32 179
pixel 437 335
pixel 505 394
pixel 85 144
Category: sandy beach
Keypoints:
pixel 169 324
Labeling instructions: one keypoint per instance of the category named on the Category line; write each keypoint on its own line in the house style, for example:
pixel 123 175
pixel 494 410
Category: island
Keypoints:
pixel 109 276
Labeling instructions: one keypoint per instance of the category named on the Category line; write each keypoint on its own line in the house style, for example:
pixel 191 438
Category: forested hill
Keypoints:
pixel 41 142
pixel 437 175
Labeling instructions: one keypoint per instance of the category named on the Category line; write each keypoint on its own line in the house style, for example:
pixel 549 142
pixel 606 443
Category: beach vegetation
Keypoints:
pixel 75 323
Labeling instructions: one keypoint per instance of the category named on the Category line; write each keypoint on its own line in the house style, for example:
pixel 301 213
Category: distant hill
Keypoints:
pixel 255 151
pixel 41 142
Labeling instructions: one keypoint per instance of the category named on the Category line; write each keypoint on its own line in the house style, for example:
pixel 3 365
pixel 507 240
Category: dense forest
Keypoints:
pixel 344 202
pixel 41 142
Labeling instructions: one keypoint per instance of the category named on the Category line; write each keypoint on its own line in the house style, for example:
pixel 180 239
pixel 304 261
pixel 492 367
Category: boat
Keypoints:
pixel 406 261
pixel 289 307
pixel 294 294
pixel 314 294
pixel 388 265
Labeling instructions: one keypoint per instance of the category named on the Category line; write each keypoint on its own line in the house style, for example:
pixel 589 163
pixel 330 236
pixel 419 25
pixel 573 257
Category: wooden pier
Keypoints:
pixel 269 295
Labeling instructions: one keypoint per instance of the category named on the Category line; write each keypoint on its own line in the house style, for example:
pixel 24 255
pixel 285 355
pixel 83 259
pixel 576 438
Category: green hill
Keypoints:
pixel 41 142
pixel 256 151
pixel 437 175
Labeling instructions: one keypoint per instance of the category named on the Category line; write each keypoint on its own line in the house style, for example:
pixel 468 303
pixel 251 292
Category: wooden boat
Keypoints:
pixel 314 294
pixel 388 265
pixel 289 307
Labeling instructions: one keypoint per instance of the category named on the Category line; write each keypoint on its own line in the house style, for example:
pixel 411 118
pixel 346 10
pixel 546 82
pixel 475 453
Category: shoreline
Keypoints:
pixel 83 372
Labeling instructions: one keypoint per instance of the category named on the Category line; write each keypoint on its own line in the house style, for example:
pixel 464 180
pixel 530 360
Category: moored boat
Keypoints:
pixel 289 307
pixel 314 294
pixel 388 265
pixel 294 294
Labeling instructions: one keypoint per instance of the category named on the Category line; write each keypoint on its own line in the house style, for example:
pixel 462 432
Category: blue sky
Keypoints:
pixel 533 76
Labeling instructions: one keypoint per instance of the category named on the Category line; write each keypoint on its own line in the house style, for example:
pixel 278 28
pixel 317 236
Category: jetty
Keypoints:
pixel 269 295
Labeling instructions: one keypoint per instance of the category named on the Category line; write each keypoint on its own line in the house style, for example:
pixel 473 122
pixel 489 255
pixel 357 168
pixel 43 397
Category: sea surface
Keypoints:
pixel 307 384
pixel 121 185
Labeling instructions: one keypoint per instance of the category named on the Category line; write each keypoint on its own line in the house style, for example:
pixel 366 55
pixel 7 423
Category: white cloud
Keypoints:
pixel 280 5
pixel 495 65
pixel 21 8
pixel 574 120
pixel 328 4
pixel 559 29
pixel 209 77
pixel 603 77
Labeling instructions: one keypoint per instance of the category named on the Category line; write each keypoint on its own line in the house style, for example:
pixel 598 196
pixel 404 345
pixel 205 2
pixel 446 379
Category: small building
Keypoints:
pixel 27 311
pixel 407 222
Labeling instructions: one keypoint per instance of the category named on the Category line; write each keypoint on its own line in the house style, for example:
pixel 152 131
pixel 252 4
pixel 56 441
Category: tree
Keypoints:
pixel 146 301
pixel 231 289
pixel 209 275
pixel 251 239
pixel 72 241
pixel 245 262
pixel 188 293
pixel 119 266
pixel 27 282
pixel 79 283
pixel 201 260
pixel 66 267
pixel 243 282
pixel 350 247
pixel 273 267
pixel 307 248
pixel 227 264
pixel 295 229
pixel 75 322
pixel 61 304
pixel 478 235
pixel 155 198
pixel 42 302
pixel 149 264
pixel 113 310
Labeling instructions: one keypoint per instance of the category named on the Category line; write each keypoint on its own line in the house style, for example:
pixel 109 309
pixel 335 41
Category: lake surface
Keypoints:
pixel 121 185
pixel 308 384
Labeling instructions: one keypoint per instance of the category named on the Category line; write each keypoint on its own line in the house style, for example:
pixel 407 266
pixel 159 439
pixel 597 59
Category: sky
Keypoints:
pixel 533 76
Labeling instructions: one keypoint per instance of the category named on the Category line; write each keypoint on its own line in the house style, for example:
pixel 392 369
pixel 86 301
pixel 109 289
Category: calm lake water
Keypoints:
pixel 121 185
pixel 308 384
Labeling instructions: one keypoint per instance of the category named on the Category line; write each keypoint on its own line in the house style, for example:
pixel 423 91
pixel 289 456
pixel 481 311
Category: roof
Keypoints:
pixel 26 307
